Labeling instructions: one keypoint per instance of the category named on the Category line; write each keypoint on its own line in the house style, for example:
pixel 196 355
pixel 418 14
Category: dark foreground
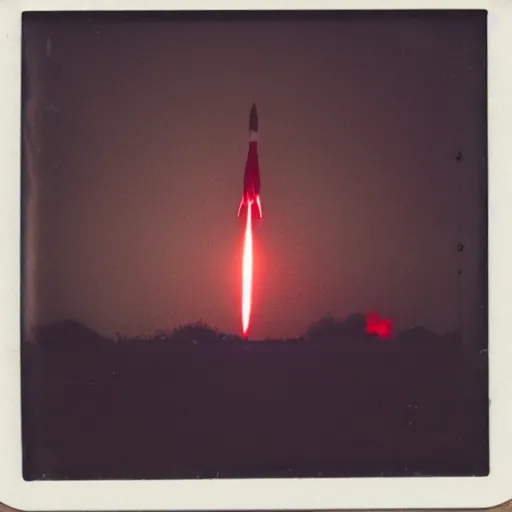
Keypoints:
pixel 195 404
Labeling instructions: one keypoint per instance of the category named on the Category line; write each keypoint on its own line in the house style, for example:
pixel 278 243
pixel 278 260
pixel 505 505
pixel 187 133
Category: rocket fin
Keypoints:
pixel 242 203
pixel 258 212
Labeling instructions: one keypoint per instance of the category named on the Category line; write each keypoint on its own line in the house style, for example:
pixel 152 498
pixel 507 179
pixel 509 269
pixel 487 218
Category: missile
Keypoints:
pixel 252 186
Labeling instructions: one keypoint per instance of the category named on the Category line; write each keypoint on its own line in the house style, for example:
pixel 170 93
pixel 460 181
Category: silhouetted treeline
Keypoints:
pixel 196 403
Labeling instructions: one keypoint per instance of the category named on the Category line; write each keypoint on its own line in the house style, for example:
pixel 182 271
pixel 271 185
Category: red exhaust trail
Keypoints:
pixel 250 198
pixel 247 273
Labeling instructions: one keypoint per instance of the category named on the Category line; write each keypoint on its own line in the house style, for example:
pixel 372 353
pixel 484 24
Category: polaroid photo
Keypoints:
pixel 255 256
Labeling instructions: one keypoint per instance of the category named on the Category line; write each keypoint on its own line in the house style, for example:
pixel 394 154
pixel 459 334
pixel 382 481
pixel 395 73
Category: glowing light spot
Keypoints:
pixel 380 327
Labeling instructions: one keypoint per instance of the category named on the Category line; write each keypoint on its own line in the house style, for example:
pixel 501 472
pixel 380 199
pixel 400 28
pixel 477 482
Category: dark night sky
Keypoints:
pixel 138 143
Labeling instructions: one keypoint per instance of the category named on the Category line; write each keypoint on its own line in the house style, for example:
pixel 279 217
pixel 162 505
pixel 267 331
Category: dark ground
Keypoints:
pixel 198 404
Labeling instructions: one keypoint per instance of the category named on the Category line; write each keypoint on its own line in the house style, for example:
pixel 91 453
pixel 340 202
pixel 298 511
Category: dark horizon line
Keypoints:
pixel 340 325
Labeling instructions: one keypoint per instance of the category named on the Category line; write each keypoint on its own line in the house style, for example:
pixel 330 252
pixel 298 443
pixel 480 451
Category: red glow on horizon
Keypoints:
pixel 381 327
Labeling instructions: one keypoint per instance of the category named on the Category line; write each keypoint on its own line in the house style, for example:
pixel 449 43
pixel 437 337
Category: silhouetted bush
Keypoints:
pixel 327 328
pixel 195 332
pixel 355 324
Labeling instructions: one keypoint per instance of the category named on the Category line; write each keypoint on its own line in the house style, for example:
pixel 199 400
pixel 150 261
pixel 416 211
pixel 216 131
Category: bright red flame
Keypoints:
pixel 379 326
pixel 247 273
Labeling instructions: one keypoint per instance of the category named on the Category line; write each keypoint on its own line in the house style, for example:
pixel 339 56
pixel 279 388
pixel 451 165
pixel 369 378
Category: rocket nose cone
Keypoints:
pixel 253 119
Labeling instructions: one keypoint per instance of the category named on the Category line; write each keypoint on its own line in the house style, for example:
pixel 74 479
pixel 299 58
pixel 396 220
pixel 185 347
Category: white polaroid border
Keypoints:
pixel 262 494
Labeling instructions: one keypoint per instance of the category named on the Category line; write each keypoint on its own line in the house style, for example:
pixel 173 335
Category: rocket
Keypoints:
pixel 251 192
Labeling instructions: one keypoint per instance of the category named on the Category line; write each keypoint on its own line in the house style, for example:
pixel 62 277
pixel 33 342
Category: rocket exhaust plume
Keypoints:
pixel 247 274
pixel 250 199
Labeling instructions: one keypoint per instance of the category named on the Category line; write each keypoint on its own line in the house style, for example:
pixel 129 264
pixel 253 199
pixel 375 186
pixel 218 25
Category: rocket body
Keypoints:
pixel 252 182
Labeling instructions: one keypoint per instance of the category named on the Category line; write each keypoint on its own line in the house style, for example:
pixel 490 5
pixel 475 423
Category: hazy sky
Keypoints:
pixel 138 133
